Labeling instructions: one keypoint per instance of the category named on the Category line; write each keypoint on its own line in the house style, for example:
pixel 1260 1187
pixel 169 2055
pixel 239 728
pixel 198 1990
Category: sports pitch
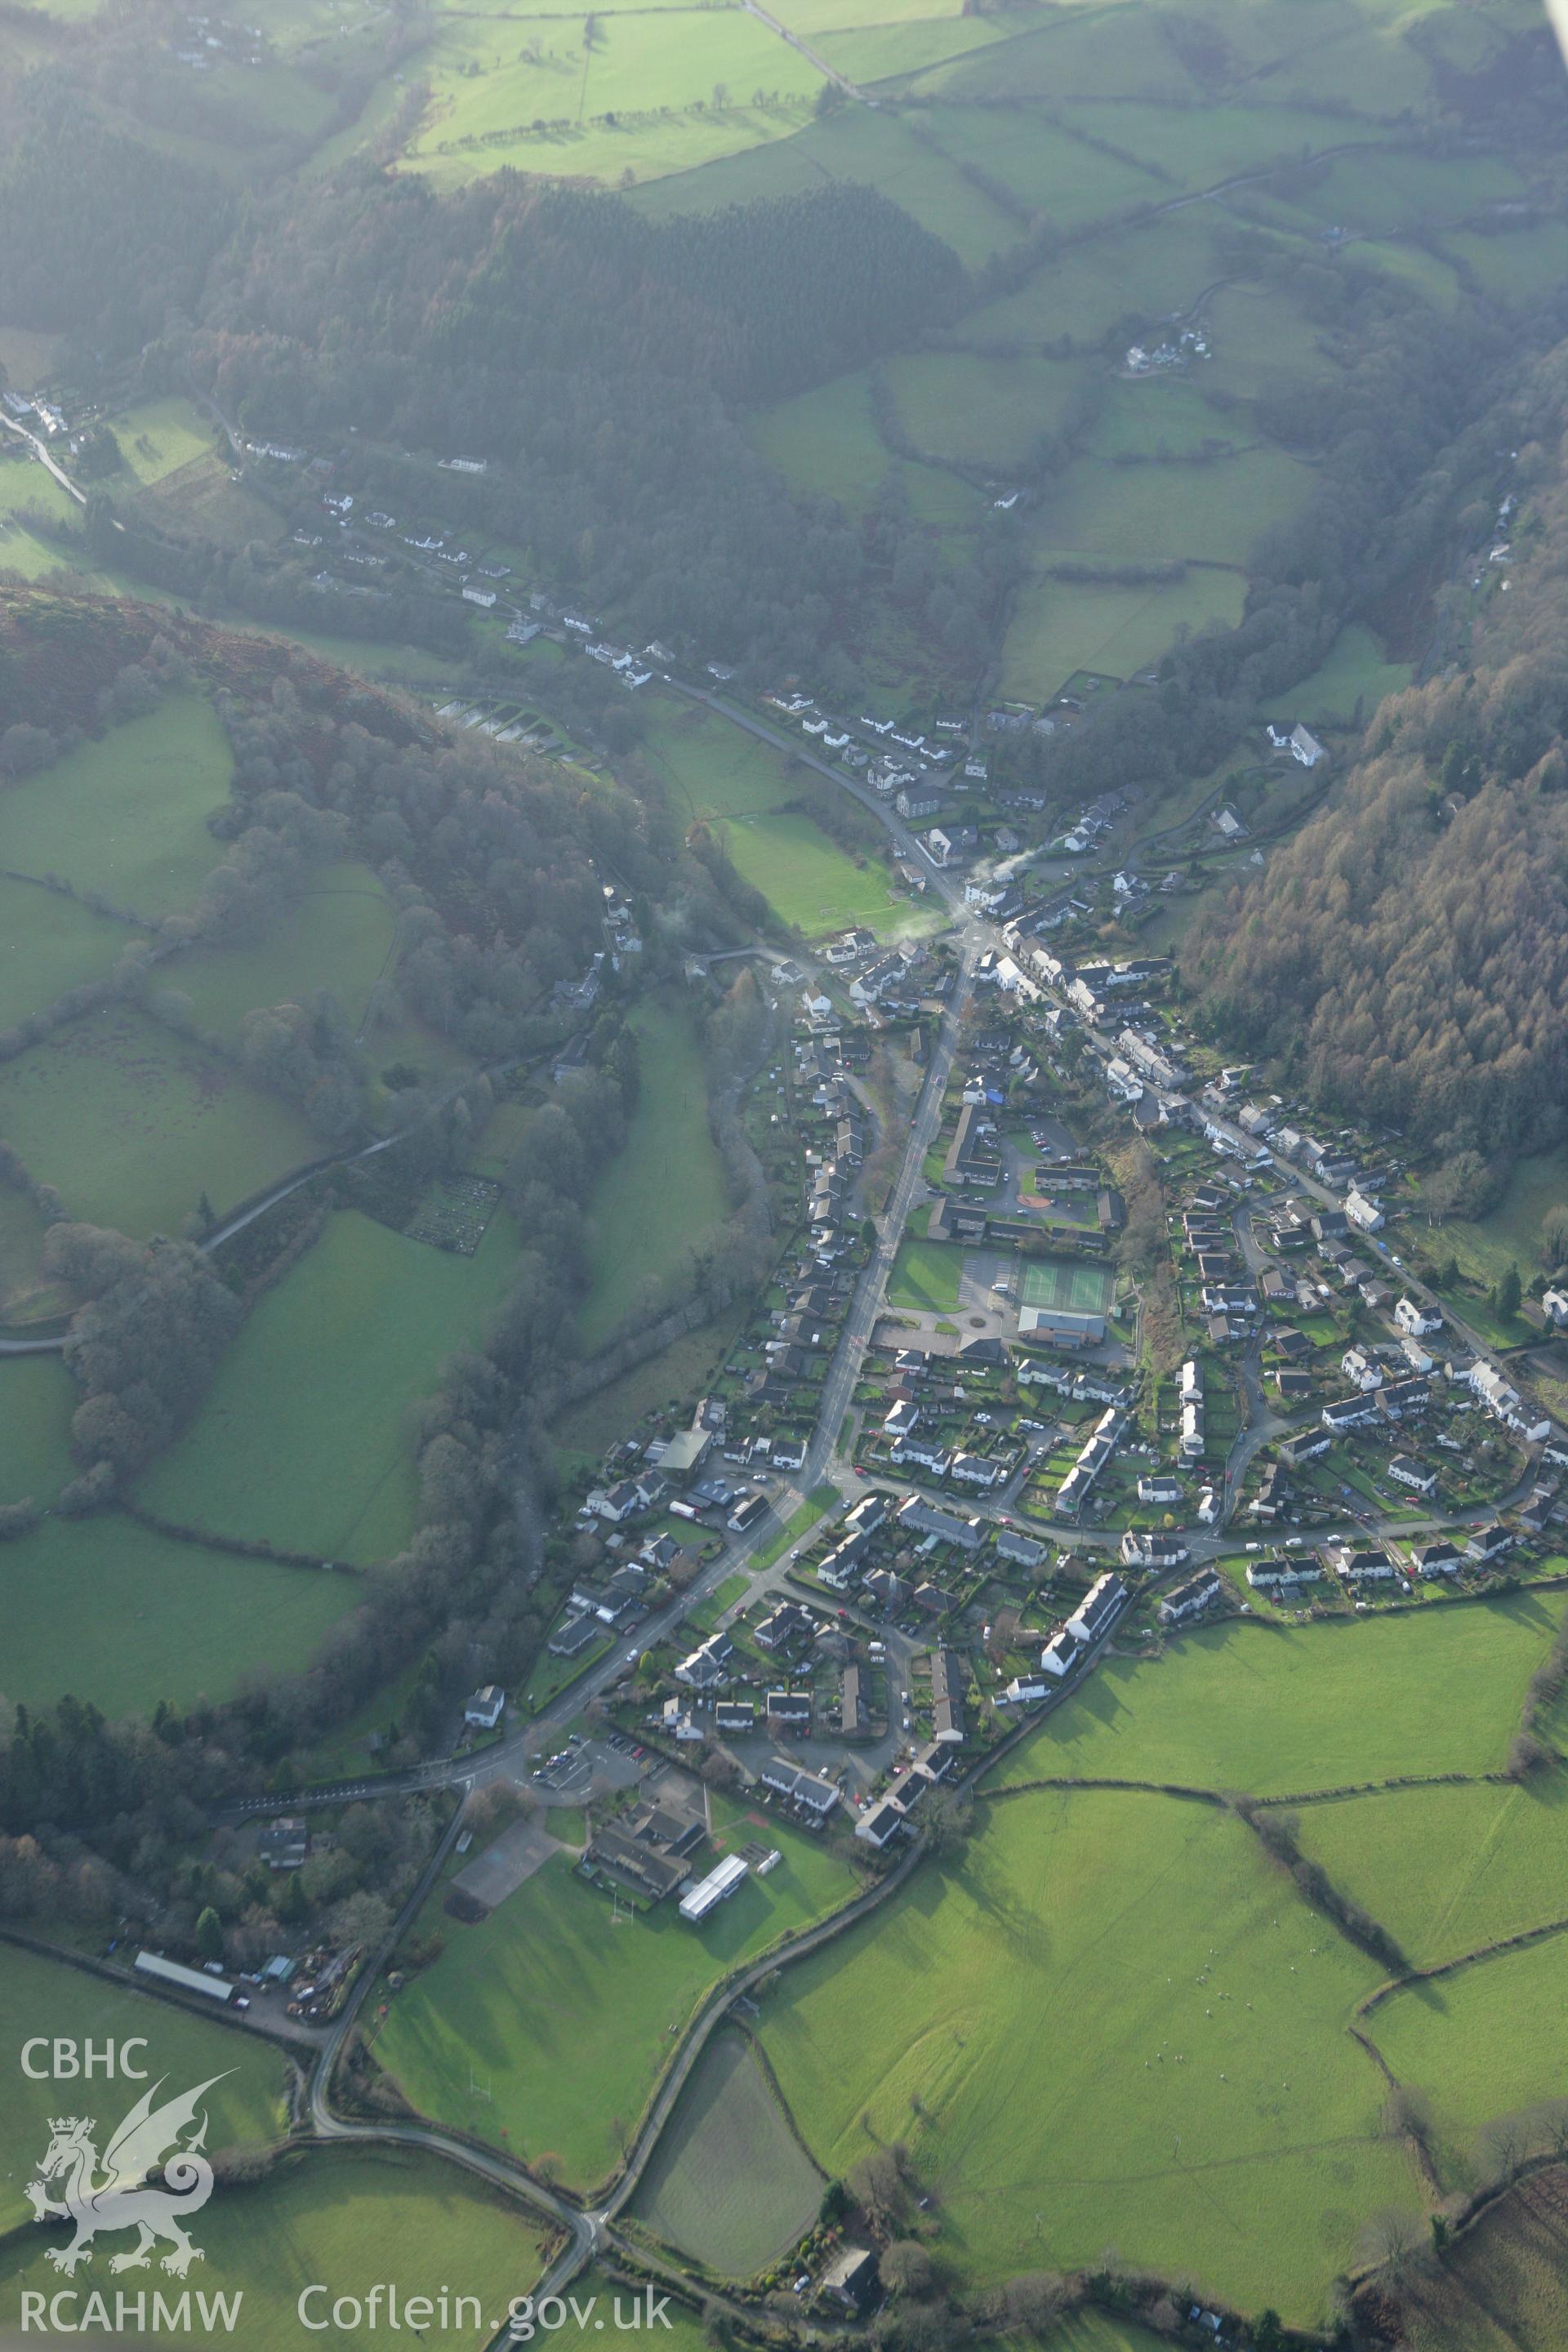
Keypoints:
pixel 1068 1284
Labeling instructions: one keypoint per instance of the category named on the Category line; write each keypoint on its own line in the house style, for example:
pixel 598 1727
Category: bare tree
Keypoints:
pixel 1034 2299
pixel 1506 2142
pixel 876 2185
pixel 1390 2242
pixel 906 2267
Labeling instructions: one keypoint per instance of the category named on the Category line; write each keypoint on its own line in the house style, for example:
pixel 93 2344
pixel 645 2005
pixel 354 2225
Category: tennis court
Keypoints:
pixel 1068 1283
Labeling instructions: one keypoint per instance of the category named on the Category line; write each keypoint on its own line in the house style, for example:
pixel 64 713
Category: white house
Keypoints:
pixel 1191 1598
pixel 1159 1490
pixel 1361 1369
pixel 1500 1398
pixel 1060 1655
pixel 1555 1302
pixel 1099 1609
pixel 1412 1473
pixel 1143 1548
pixel 1306 749
pixel 1363 1212
pixel 1418 1320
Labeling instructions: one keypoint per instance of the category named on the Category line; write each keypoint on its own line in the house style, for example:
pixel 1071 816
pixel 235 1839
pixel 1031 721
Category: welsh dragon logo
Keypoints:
pixel 122 2198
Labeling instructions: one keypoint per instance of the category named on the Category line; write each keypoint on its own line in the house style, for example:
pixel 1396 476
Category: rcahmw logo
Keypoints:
pixel 104 2196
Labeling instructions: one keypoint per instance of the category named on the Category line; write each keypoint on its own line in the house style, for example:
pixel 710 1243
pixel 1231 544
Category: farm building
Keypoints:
pixel 853 2278
pixel 175 1972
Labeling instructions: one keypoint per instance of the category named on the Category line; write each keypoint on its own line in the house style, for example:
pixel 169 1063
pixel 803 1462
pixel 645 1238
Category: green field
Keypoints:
pixel 131 1124
pixel 1156 514
pixel 1072 1283
pixel 680 2328
pixel 807 880
pixel 1280 1708
pixel 1481 2044
pixel 1044 163
pixel 1520 266
pixel 567 2017
pixel 339 937
pixel 1134 274
pixel 21 550
pixel 973 411
pixel 1260 341
pixel 825 441
pixel 28 488
pixel 50 944
pixel 664 1195
pixel 712 768
pixel 1160 416
pixel 1106 2023
pixel 126 815
pixel 37 1398
pixel 683 1370
pixel 1114 628
pixel 653 93
pixel 345 2220
pixel 500 1139
pixel 925 1277
pixel 42 1996
pixel 105 1609
pixel 880 150
pixel 1196 147
pixel 158 436
pixel 1510 1235
pixel 303 1438
pixel 873 53
pixel 730 2182
pixel 1354 677
pixel 1448 1869
pixel 24 1298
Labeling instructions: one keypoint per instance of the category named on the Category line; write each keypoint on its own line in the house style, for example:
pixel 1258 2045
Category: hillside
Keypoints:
pixel 1404 957
pixel 261 921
